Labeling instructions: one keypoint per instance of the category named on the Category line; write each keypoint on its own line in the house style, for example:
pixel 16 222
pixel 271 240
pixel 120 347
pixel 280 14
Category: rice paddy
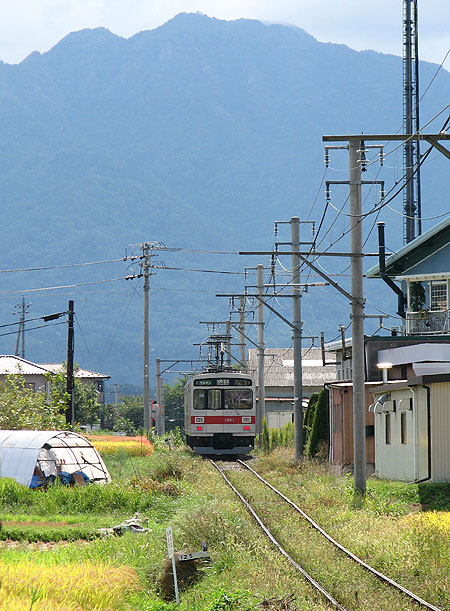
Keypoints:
pixel 65 587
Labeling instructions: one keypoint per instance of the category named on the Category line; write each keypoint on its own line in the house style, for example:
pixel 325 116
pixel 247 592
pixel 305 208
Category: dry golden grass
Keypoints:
pixel 434 521
pixel 68 587
pixel 132 448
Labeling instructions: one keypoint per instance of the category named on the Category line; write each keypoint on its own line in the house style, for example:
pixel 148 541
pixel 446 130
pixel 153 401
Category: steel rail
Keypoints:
pixel 342 548
pixel 307 576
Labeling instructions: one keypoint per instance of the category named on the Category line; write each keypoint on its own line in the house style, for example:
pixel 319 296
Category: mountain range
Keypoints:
pixel 197 135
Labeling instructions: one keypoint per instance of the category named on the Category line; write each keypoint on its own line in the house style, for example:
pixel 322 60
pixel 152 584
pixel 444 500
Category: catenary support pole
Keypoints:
pixel 70 411
pixel 297 338
pixel 228 343
pixel 242 330
pixel 359 428
pixel 260 411
pixel 160 428
pixel 146 266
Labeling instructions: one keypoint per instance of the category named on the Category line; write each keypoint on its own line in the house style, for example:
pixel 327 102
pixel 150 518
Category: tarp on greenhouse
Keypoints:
pixel 52 454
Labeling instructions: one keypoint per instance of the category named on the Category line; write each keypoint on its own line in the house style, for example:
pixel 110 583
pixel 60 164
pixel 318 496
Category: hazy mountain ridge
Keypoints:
pixel 199 133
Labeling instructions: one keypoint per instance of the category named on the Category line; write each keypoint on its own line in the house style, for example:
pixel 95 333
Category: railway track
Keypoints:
pixel 415 601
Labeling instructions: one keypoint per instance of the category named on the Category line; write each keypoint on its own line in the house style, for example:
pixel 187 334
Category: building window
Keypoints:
pixel 438 299
pixel 403 435
pixel 387 423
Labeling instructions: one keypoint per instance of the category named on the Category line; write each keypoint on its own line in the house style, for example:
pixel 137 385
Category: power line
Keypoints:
pixel 38 269
pixel 186 269
pixel 33 328
pixel 63 286
pixel 48 317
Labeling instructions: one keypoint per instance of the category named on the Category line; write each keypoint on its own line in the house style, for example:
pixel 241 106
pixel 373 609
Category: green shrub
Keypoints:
pixel 320 423
pixel 12 493
pixel 33 534
pixel 274 438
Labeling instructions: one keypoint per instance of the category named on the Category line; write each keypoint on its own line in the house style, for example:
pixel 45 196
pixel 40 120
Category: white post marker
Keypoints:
pixel 171 554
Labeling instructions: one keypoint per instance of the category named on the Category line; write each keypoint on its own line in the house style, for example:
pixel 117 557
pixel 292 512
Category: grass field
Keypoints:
pixel 402 529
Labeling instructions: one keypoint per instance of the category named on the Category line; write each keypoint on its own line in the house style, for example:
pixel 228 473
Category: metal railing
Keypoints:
pixel 428 321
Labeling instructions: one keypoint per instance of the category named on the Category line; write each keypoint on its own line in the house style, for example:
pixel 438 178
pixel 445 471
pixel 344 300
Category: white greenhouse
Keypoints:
pixel 35 458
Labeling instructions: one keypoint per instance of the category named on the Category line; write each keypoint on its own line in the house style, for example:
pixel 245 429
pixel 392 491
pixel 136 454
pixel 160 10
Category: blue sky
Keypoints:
pixel 29 25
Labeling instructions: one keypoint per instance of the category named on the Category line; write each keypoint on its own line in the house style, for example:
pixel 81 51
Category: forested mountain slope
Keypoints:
pixel 198 134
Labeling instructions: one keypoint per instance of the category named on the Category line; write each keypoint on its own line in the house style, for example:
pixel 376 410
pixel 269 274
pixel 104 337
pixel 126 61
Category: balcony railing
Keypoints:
pixel 427 321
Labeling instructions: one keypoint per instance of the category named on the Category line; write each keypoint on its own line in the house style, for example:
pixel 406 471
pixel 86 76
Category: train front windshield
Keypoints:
pixel 217 399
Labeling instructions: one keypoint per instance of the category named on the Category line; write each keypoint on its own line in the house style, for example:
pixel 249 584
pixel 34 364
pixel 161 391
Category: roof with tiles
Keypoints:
pixel 10 364
pixel 79 373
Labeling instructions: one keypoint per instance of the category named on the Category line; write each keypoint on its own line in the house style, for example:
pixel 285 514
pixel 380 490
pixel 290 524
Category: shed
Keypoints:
pixel 53 452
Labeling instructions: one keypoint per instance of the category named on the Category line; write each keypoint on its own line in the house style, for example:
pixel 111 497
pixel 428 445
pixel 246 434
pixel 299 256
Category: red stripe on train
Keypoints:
pixel 223 420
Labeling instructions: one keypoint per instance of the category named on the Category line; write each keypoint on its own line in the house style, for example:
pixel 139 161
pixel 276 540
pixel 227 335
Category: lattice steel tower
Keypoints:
pixel 411 152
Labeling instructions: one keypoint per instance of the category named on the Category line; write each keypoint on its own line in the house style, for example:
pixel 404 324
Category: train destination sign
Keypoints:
pixel 223 382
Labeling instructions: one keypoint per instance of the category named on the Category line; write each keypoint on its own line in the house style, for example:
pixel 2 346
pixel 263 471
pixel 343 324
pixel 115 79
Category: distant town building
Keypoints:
pixel 279 379
pixel 35 374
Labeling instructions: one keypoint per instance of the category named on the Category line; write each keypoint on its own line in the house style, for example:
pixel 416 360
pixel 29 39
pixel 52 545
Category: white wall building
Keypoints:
pixel 412 416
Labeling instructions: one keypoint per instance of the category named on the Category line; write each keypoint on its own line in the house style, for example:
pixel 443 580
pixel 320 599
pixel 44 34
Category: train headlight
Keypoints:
pixel 246 419
pixel 199 419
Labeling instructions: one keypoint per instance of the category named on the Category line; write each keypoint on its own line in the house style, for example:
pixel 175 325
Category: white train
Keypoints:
pixel 219 413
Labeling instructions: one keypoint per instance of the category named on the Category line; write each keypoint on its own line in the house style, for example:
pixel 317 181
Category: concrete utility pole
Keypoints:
pixel 146 267
pixel 260 411
pixel 242 330
pixel 355 147
pixel 297 338
pixel 70 411
pixel 21 330
pixel 359 402
pixel 160 424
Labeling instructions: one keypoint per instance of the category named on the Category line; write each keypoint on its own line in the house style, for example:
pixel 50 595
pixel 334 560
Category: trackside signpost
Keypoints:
pixel 171 554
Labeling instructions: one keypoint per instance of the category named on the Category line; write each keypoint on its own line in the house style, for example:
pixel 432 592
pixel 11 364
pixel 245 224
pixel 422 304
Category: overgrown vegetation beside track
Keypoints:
pixel 401 529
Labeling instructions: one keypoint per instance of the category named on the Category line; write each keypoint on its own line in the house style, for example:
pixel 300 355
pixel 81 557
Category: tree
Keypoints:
pixel 309 416
pixel 320 423
pixel 23 408
pixel 86 405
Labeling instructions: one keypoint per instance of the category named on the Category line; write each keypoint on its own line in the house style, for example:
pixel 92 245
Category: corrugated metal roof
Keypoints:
pixel 415 246
pixel 279 369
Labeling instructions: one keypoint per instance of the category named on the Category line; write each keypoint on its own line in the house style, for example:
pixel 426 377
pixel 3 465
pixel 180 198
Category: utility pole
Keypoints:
pixel 160 424
pixel 21 329
pixel 260 412
pixel 297 338
pixel 356 146
pixel 357 149
pixel 70 411
pixel 242 330
pixel 146 267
